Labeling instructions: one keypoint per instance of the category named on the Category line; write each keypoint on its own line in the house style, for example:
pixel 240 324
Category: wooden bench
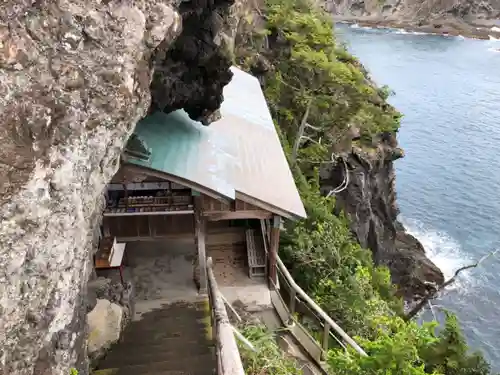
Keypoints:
pixel 257 265
pixel 110 255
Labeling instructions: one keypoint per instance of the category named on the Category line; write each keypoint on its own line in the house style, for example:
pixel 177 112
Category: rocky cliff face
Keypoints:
pixel 465 17
pixel 75 77
pixel 370 202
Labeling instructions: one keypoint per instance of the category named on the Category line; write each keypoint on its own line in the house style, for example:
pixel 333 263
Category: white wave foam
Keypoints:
pixel 444 251
pixel 406 32
pixel 493 39
pixel 495 29
pixel 491 49
pixel 366 28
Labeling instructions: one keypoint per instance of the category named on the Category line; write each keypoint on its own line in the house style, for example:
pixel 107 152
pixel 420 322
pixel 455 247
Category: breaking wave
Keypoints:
pixel 406 32
pixel 444 251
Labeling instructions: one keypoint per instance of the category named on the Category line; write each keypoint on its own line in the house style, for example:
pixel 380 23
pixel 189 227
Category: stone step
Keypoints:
pixel 172 311
pixel 114 371
pixel 175 339
pixel 201 335
pixel 199 365
pixel 166 330
pixel 168 323
pixel 150 354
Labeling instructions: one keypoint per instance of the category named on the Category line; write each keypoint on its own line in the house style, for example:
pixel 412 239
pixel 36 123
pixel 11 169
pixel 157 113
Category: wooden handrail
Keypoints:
pixel 328 321
pixel 229 360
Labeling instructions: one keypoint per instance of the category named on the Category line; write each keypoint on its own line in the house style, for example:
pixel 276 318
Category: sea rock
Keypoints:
pixel 370 202
pixel 454 17
pixel 105 327
pixel 75 78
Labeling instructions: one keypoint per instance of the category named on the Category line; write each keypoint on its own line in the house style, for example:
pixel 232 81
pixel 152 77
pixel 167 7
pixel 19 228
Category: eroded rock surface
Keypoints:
pixel 105 326
pixel 75 78
pixel 193 71
pixel 370 202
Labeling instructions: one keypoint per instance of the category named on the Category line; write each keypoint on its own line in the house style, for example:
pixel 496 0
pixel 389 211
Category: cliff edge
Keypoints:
pixel 369 200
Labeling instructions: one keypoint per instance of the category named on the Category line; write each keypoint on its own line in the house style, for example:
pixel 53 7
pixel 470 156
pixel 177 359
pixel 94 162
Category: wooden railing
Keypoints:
pixel 315 331
pixel 228 355
pixel 303 310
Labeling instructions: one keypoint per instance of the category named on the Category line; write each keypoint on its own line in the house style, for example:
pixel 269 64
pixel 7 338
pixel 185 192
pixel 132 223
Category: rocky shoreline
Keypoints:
pixel 445 28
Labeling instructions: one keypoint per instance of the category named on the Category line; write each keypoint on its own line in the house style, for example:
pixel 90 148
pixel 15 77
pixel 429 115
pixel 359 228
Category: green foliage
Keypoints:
pixel 309 62
pixel 269 359
pixel 449 355
pixel 320 251
pixel 73 371
pixel 395 350
pixel 332 267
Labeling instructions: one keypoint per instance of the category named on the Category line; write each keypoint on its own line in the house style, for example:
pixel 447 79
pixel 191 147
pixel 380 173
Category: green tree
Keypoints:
pixel 312 70
pixel 450 353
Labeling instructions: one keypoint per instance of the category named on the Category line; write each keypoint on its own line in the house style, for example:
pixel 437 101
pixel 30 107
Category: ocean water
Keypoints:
pixel 448 185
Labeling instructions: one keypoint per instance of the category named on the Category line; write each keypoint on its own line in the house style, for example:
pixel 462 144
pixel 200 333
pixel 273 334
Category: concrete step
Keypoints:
pixel 175 339
pixel 194 310
pixel 151 354
pixel 168 324
pixel 200 365
pixel 160 336
pixel 114 371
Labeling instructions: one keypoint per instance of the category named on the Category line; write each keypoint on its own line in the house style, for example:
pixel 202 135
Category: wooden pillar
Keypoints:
pixel 200 229
pixel 273 250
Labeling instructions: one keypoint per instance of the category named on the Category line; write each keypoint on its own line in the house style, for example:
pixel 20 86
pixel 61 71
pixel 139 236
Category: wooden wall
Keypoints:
pixel 213 205
pixel 155 226
pixel 227 247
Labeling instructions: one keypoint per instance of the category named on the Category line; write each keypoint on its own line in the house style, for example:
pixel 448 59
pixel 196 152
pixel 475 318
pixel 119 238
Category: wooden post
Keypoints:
pixel 326 339
pixel 273 251
pixel 228 353
pixel 125 190
pixel 200 226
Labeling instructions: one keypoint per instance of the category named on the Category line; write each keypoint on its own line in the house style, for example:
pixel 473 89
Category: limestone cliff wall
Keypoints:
pixel 370 202
pixel 75 77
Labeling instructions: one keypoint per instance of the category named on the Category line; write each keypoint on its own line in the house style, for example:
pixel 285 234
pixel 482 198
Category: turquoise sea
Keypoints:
pixel 448 185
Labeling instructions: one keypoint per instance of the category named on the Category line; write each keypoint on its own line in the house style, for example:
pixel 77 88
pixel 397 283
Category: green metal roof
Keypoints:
pixel 237 156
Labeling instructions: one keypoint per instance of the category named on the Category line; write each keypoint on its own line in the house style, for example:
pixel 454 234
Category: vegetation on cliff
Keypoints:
pixel 267 358
pixel 308 73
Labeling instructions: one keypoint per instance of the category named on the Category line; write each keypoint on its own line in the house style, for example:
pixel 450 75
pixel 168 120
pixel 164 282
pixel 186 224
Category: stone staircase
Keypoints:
pixel 172 340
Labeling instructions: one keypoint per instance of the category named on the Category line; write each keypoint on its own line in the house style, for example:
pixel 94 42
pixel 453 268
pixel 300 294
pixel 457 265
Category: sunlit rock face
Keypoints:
pixel 75 78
